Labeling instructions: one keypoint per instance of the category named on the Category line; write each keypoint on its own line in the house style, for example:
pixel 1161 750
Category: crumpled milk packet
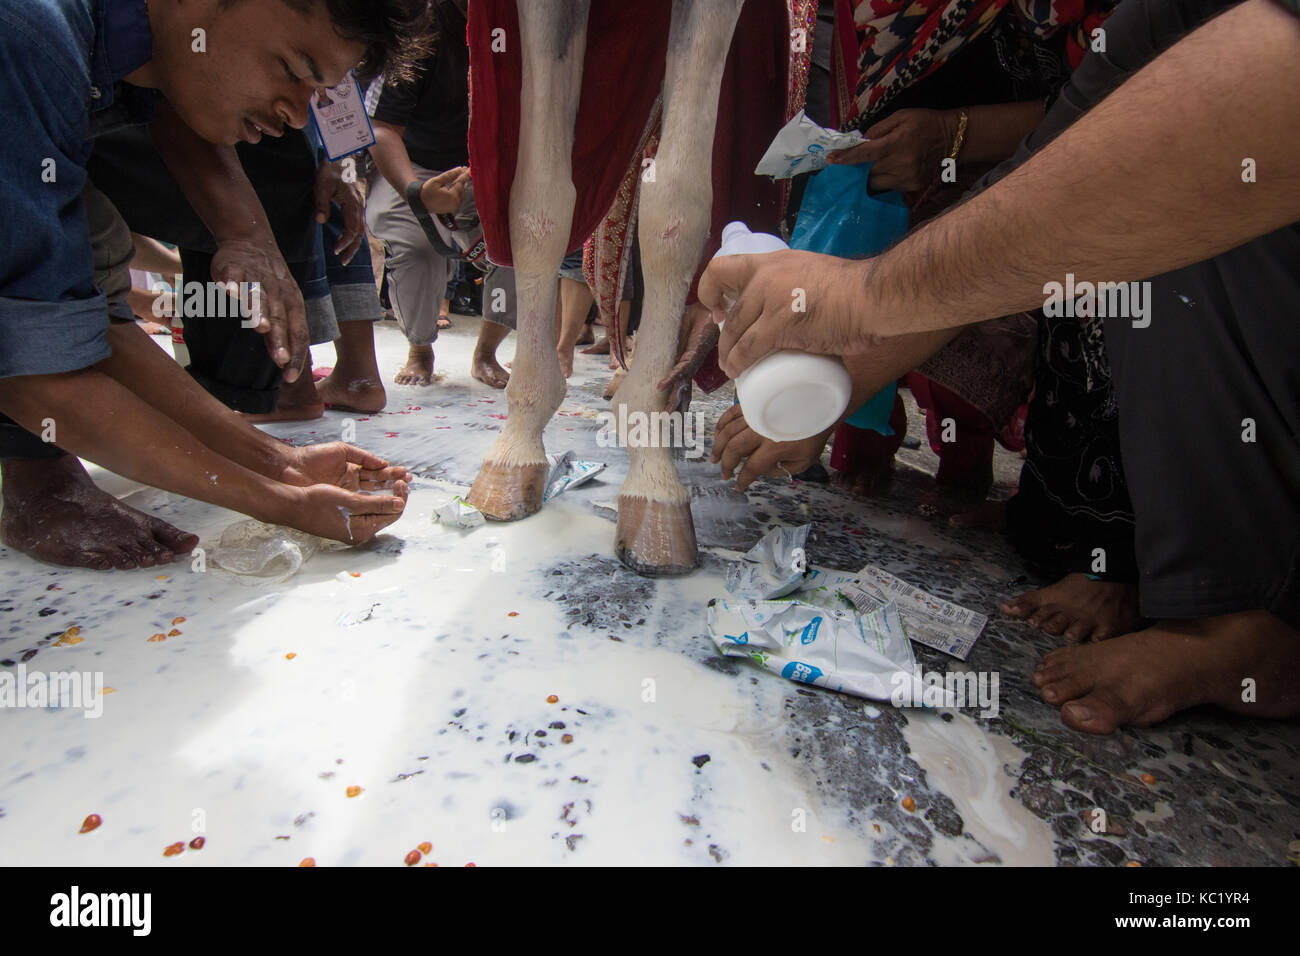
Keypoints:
pixel 266 552
pixel 568 472
pixel 801 147
pixel 772 568
pixel 863 655
pixel 458 513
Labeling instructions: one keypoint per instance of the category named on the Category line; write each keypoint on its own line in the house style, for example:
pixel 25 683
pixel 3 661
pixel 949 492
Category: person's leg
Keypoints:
pixel 575 302
pixel 499 317
pixel 417 277
pixel 1208 414
pixel 354 383
pixel 1071 518
pixel 52 511
pixel 863 459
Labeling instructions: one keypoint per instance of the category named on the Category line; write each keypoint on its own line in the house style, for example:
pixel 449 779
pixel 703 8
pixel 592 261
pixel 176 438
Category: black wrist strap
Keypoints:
pixel 425 219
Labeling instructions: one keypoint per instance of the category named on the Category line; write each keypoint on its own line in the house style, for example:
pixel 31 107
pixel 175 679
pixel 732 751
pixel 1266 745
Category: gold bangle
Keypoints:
pixel 960 137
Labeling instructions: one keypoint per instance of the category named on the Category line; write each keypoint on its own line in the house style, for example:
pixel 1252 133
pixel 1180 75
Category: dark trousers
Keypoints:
pixel 228 360
pixel 1209 419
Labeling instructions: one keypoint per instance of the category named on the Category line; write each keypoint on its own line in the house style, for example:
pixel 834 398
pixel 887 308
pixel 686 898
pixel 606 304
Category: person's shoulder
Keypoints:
pixel 48 36
pixel 47 23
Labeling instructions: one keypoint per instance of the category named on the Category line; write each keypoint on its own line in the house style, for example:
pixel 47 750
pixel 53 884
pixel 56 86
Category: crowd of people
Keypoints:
pixel 1035 143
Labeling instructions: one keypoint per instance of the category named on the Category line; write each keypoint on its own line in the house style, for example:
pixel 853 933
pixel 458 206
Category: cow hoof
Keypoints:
pixel 655 538
pixel 508 492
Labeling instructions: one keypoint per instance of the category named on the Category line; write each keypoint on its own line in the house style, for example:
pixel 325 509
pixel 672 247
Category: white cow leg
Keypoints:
pixel 553 40
pixel 655 533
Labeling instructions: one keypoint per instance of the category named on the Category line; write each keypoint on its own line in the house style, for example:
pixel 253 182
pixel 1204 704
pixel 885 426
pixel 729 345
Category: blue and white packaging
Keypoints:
pixel 865 655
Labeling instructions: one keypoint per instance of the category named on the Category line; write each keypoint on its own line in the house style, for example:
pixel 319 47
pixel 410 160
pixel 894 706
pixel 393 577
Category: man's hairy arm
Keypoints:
pixel 1148 181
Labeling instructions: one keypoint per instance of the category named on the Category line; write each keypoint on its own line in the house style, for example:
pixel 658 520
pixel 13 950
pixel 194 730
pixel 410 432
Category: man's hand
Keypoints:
pixel 331 187
pixel 345 466
pixel 699 334
pixel 442 193
pixel 734 441
pixel 283 318
pixel 906 149
pixel 784 300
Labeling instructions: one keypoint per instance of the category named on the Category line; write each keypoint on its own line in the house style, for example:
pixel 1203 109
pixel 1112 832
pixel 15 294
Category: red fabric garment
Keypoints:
pixel 627 44
pixel 622 80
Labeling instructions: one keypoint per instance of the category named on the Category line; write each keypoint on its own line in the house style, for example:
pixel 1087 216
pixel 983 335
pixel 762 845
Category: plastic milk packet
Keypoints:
pixel 772 568
pixel 267 552
pixel 568 472
pixel 458 513
pixel 867 656
pixel 801 147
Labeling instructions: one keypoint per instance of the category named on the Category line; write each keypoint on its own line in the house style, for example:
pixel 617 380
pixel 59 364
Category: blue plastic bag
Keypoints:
pixel 839 217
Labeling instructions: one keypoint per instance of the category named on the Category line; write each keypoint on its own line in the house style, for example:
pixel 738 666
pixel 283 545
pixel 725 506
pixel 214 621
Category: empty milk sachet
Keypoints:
pixel 801 147
pixel 265 552
pixel 458 513
pixel 772 568
pixel 568 472
pixel 863 655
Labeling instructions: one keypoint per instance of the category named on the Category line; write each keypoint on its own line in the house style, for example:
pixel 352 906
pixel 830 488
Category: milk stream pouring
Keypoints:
pixel 787 395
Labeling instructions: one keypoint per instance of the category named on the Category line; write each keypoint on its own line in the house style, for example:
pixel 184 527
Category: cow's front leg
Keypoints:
pixel 655 533
pixel 553 40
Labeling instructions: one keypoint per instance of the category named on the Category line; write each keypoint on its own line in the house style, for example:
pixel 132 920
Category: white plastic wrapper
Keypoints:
pixel 772 568
pixel 821 586
pixel 863 655
pixel 568 472
pixel 458 513
pixel 929 620
pixel 801 147
pixel 265 552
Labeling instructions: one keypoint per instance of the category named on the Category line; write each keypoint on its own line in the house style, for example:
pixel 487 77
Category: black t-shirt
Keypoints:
pixel 434 107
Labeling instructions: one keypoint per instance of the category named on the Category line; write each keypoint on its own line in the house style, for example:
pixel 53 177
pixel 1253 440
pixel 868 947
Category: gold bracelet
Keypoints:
pixel 960 137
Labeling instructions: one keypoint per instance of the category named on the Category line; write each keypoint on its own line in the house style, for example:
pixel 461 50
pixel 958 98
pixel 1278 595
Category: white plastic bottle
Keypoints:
pixel 787 395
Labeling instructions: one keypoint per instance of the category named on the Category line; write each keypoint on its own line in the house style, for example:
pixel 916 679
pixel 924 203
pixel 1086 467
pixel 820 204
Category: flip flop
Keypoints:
pixel 444 322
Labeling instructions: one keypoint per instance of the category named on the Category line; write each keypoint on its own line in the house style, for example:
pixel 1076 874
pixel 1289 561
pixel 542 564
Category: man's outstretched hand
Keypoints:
pixel 734 441
pixel 783 300
pixel 283 317
pixel 343 465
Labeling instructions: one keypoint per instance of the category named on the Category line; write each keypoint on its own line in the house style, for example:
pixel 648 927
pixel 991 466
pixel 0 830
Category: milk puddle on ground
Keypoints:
pixel 968 765
pixel 414 673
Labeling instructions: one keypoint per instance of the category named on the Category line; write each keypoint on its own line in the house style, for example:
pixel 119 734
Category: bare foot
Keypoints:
pixel 599 347
pixel 615 382
pixel 298 402
pixel 364 394
pixel 342 515
pixel 1245 663
pixel 488 370
pixel 586 336
pixel 53 512
pixel 418 369
pixel 1079 608
pixel 444 322
pixel 153 328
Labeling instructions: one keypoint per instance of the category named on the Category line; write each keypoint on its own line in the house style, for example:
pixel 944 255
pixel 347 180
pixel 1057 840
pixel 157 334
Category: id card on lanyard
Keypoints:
pixel 341 121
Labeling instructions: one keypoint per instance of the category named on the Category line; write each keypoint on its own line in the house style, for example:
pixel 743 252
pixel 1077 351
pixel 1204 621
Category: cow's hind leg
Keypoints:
pixel 655 533
pixel 553 39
